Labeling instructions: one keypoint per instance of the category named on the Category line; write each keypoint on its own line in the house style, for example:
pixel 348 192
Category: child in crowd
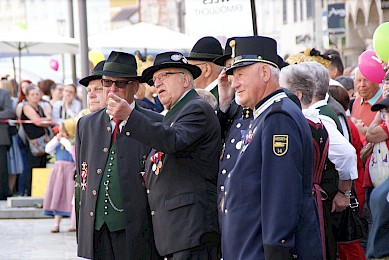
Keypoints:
pixel 60 187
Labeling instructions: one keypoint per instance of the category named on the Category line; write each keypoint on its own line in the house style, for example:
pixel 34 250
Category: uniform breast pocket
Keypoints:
pixel 179 201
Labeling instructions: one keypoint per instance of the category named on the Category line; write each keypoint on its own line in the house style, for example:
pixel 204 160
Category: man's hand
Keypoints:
pixel 118 107
pixel 340 202
pixel 226 93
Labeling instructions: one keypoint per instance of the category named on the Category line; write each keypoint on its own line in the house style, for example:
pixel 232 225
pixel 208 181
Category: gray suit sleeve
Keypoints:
pixel 6 110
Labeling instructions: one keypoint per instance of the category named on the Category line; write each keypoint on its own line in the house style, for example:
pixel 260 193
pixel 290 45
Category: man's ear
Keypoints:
pixel 186 80
pixel 265 73
pixel 207 69
pixel 135 87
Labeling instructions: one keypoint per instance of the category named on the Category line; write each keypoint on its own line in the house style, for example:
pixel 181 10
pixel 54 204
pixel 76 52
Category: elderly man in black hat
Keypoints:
pixel 268 208
pixel 203 53
pixel 114 218
pixel 181 170
pixel 94 89
pixel 95 102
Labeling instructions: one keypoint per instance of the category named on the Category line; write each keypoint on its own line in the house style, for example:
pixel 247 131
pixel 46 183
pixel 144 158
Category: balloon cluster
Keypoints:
pixel 373 64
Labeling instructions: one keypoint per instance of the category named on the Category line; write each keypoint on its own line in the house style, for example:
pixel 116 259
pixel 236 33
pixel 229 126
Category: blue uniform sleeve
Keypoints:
pixel 282 180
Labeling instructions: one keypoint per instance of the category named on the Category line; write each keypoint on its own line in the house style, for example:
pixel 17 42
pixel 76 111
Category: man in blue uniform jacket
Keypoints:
pixel 269 211
pixel 181 171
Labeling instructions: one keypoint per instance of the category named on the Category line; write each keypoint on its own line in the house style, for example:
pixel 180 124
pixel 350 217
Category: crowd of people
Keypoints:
pixel 230 153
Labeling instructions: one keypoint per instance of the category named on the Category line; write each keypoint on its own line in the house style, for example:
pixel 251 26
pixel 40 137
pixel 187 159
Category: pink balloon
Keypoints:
pixel 370 66
pixel 54 64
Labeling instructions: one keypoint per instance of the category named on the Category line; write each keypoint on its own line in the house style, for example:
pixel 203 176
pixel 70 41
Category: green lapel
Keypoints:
pixel 179 104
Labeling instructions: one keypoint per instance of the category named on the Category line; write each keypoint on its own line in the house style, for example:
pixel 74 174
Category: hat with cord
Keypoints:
pixel 249 50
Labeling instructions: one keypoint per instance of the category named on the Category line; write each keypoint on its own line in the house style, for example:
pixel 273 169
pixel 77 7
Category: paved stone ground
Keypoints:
pixel 24 239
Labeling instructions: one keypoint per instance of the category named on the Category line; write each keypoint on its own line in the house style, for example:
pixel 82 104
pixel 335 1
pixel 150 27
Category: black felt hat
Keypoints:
pixel 253 49
pixel 95 73
pixel 206 49
pixel 381 105
pixel 121 65
pixel 227 53
pixel 170 59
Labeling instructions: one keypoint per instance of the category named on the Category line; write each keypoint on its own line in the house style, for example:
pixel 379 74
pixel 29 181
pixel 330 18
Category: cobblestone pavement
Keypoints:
pixel 24 239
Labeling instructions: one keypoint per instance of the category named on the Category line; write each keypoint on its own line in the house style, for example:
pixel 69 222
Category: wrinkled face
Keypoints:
pixel 365 88
pixel 248 85
pixel 95 97
pixel 126 93
pixel 170 84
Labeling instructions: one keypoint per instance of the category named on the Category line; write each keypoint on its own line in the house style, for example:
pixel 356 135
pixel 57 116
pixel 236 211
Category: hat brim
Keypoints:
pixel 222 60
pixel 148 73
pixel 380 105
pixel 120 75
pixel 230 70
pixel 85 81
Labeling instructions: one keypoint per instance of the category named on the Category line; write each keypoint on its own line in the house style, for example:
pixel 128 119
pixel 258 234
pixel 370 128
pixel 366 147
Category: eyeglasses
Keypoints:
pixel 118 83
pixel 162 77
pixel 384 114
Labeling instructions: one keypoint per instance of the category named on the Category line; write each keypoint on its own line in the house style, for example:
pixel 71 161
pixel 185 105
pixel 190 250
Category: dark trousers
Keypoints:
pixel 209 250
pixel 203 252
pixel 109 245
pixel 23 176
pixel 3 172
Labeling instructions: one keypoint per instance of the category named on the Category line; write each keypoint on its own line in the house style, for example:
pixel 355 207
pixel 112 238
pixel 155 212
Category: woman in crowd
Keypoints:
pixel 68 107
pixel 31 110
pixel 22 139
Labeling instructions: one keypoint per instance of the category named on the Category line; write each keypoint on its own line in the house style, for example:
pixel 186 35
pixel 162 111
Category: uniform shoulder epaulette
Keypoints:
pixel 277 104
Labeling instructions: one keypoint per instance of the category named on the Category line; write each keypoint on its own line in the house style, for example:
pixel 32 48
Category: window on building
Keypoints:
pixel 285 11
pixel 310 8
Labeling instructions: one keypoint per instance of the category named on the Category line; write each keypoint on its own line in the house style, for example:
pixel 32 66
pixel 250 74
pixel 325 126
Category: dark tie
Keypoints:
pixel 116 129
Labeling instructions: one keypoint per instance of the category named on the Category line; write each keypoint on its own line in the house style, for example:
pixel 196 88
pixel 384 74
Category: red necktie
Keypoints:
pixel 116 129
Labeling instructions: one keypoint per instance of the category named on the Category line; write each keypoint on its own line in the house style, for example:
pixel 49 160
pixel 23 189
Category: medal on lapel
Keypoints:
pixel 247 136
pixel 156 159
pixel 84 173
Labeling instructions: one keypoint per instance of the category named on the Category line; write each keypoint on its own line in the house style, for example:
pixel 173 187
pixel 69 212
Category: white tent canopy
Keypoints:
pixel 142 36
pixel 25 42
